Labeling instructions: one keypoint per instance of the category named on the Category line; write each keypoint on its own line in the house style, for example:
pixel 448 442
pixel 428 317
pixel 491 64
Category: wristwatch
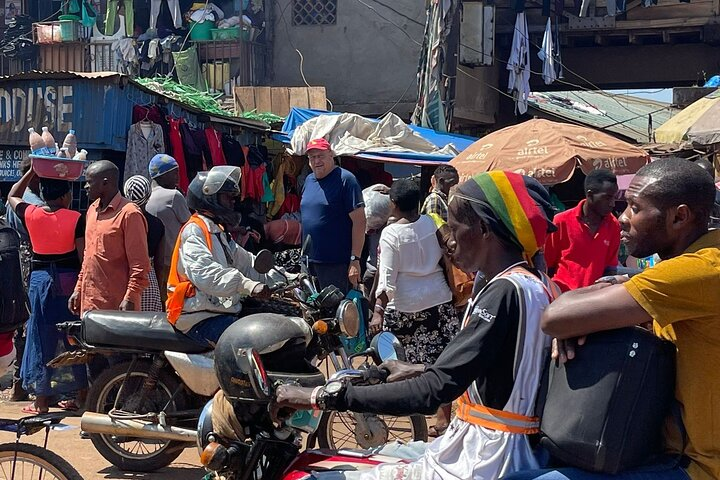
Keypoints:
pixel 354 258
pixel 327 397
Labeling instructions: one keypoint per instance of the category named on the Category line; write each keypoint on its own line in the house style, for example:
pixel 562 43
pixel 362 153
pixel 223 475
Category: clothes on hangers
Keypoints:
pixel 232 150
pixel 176 145
pixel 175 13
pixel 257 155
pixel 140 149
pixel 286 169
pixel 267 196
pixel 155 114
pixel 192 151
pixel 547 54
pixel 111 16
pixel 519 65
pixel 214 140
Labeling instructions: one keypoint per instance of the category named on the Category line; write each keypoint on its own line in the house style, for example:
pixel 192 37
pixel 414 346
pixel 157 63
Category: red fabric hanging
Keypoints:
pixel 214 139
pixel 177 152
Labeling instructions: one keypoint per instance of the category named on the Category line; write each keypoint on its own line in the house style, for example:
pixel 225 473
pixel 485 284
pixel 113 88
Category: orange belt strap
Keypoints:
pixel 496 419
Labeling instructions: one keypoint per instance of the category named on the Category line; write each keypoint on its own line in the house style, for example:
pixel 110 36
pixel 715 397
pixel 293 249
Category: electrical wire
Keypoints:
pixel 390 21
pixel 564 66
pixel 302 59
pixel 505 62
pixel 22 35
pixel 413 82
pixel 187 36
pixel 569 120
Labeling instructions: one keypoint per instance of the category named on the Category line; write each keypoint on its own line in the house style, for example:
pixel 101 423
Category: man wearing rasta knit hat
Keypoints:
pixel 169 205
pixel 493 365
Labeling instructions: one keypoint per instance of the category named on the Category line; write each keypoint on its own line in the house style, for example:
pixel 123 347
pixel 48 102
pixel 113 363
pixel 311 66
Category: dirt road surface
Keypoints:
pixel 83 456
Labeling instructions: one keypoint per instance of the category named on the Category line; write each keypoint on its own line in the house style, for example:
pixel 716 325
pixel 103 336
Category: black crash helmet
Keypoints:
pixel 281 342
pixel 203 193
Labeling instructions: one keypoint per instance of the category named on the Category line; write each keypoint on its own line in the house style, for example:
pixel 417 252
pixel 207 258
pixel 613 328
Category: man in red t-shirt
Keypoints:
pixel 586 243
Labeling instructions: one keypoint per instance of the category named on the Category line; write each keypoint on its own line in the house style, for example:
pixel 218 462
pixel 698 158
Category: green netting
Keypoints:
pixel 205 101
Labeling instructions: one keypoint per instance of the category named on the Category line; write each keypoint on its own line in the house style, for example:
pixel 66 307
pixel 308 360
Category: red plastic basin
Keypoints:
pixel 57 168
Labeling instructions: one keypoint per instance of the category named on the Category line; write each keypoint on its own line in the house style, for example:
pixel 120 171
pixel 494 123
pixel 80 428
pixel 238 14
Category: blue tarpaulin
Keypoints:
pixel 298 116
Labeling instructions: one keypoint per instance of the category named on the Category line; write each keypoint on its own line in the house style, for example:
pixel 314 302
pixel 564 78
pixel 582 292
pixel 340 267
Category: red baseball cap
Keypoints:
pixel 318 144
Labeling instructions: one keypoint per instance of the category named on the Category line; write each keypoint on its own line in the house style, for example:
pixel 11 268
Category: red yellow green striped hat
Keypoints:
pixel 502 200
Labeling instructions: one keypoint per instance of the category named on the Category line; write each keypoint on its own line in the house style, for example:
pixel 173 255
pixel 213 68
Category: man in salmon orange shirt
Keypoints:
pixel 586 244
pixel 116 262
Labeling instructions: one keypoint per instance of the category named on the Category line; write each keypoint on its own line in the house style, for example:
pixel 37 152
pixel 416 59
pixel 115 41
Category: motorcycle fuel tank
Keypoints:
pixel 197 371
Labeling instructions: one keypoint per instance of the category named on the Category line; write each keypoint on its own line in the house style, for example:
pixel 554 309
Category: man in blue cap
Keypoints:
pixel 169 205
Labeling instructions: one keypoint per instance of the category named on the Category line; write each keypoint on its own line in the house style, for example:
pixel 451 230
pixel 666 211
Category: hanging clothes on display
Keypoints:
pixel 175 13
pixel 145 140
pixel 254 179
pixel 267 196
pixel 519 65
pixel 154 113
pixel 188 69
pixel 176 146
pixel 111 16
pixel 192 151
pixel 547 54
pixel 214 140
pixel 202 143
pixel 232 150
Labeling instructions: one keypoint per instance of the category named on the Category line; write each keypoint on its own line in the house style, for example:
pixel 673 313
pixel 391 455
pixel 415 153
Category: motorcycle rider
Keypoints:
pixel 210 274
pixel 493 366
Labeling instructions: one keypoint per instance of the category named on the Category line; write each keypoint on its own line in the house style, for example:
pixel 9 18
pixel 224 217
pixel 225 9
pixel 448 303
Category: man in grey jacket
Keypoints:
pixel 211 274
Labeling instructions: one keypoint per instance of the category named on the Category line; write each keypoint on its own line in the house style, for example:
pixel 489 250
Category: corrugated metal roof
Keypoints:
pixel 213 117
pixel 39 75
pixel 622 115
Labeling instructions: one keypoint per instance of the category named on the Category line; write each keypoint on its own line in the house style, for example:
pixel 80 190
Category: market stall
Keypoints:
pixel 118 119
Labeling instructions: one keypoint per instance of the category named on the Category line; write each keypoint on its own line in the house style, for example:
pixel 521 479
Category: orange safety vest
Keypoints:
pixel 500 419
pixel 179 287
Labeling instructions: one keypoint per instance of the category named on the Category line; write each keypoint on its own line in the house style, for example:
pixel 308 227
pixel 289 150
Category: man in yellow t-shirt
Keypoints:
pixel 669 205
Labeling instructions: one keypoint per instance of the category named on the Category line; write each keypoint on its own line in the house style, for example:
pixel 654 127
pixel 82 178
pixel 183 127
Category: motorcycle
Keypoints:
pixel 339 430
pixel 272 452
pixel 142 410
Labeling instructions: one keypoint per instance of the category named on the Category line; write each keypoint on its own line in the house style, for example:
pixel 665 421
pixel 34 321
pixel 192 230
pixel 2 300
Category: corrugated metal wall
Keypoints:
pixel 98 110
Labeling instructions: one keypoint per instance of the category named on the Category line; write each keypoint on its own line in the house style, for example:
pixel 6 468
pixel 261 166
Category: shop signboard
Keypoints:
pixel 22 107
pixel 10 158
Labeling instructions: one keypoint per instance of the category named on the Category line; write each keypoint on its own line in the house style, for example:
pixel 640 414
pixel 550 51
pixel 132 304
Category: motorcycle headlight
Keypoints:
pixel 348 317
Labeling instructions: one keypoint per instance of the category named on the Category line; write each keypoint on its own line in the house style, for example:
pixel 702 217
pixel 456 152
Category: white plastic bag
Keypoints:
pixel 377 207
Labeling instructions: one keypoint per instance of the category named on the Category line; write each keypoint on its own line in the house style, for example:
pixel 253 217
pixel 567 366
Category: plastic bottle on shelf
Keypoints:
pixel 37 144
pixel 70 143
pixel 81 155
pixel 49 140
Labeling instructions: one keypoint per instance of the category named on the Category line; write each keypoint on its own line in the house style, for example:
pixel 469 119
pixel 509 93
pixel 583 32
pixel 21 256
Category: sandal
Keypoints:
pixel 68 405
pixel 434 432
pixel 32 410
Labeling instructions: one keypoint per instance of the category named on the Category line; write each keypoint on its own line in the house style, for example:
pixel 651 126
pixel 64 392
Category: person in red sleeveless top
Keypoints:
pixel 57 237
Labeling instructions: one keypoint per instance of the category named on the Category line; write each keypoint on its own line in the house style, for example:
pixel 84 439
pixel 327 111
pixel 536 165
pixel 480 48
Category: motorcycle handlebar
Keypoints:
pixel 374 375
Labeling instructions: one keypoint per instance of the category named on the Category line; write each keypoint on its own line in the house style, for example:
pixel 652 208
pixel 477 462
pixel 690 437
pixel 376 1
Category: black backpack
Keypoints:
pixel 13 300
pixel 604 410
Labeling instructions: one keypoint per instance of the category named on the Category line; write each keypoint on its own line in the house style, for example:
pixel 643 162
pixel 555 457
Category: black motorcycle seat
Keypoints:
pixel 136 331
pixel 303 379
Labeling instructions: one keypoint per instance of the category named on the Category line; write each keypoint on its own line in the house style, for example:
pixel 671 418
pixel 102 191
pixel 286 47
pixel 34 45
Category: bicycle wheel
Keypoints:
pixel 32 462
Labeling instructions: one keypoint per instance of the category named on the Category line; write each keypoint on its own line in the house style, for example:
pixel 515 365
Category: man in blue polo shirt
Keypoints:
pixel 333 216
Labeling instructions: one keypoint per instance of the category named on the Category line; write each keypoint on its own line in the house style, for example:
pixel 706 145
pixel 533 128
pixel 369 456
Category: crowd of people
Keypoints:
pixel 475 282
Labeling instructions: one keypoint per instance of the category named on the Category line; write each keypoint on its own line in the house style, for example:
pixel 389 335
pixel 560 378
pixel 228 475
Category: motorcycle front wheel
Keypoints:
pixel 129 453
pixel 343 430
